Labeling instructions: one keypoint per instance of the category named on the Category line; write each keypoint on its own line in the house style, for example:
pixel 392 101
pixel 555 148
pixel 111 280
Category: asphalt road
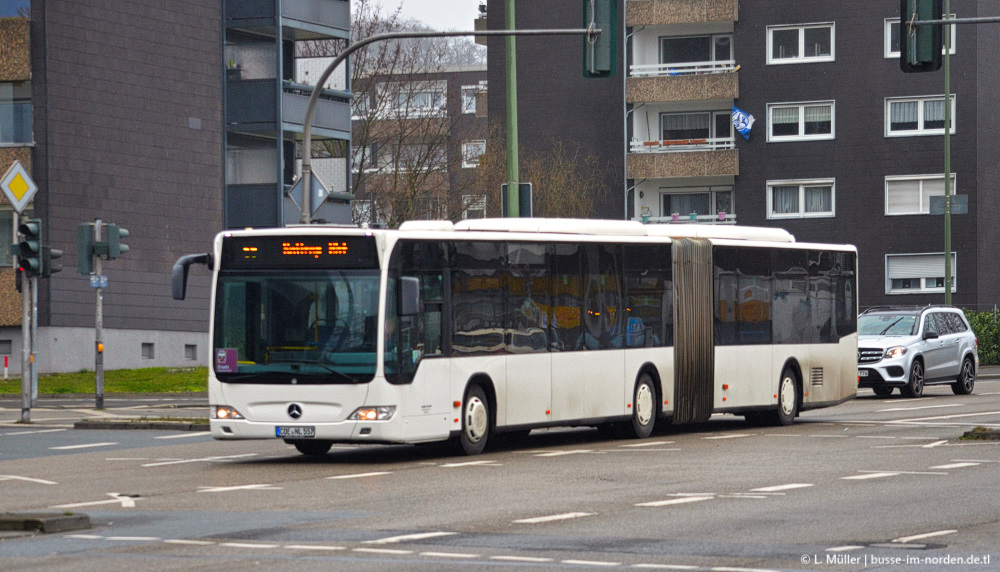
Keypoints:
pixel 872 484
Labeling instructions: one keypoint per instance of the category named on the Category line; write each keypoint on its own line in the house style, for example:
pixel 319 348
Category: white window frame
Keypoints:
pixel 468 160
pixel 920 130
pixel 801 136
pixel 801 58
pixel 889 53
pixel 469 93
pixel 475 203
pixel 909 266
pixel 802 184
pixel 924 196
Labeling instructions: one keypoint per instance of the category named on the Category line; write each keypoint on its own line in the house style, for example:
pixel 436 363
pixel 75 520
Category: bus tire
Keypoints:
pixel 475 421
pixel 788 398
pixel 313 448
pixel 644 409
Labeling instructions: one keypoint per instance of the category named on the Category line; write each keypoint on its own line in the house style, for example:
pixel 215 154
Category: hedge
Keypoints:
pixel 986 325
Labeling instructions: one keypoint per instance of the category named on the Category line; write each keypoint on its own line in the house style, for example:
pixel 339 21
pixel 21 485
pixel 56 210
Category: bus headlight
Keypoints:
pixel 895 352
pixel 224 412
pixel 379 413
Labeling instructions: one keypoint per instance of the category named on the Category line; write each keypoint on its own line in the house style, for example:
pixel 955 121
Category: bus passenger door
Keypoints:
pixel 528 362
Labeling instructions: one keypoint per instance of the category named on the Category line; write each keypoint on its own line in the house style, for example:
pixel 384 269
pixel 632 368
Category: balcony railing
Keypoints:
pixel 692 218
pixel 685 68
pixel 682 145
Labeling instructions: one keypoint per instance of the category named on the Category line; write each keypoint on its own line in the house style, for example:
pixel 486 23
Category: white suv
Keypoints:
pixel 909 348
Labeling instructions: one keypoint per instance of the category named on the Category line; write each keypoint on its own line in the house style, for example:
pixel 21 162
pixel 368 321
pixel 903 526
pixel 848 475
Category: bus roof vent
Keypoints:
pixel 554 225
pixel 720 231
pixel 432 225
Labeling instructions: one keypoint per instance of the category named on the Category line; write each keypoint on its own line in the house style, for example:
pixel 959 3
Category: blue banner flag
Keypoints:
pixel 742 121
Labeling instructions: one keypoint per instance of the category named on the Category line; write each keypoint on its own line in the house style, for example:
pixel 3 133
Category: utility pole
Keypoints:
pixel 947 156
pixel 513 166
pixel 98 327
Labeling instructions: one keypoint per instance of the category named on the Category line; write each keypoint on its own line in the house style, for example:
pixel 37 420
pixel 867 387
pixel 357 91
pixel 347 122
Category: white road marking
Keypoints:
pixel 125 501
pixel 448 555
pixel 744 496
pixel 935 444
pixel 553 518
pixel 361 475
pixel 201 460
pixel 239 488
pixel 520 559
pixel 735 436
pixel 247 545
pixel 918 408
pixel 956 466
pixel 470 464
pixel 408 537
pixel 28 479
pixel 907 539
pixel 778 488
pixel 134 538
pixel 844 548
pixel 84 446
pixel 870 476
pixel 313 547
pixel 681 500
pixel 85 536
pixel 649 444
pixel 589 563
pixel 188 542
pixel 185 435
pixel 36 431
pixel 382 551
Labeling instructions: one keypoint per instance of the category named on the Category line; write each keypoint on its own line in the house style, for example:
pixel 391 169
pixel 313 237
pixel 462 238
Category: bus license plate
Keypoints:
pixel 863 373
pixel 295 432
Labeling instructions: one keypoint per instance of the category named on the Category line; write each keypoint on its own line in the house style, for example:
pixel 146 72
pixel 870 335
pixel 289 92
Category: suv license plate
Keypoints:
pixel 295 432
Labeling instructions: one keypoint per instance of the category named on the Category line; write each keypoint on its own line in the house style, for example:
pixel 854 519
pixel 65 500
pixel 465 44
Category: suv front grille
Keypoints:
pixel 870 355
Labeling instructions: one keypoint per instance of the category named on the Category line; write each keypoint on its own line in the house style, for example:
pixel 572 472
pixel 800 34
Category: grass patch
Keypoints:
pixel 146 380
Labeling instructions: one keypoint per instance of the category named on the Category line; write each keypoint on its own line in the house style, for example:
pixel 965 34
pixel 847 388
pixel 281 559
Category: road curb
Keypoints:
pixel 44 521
pixel 116 424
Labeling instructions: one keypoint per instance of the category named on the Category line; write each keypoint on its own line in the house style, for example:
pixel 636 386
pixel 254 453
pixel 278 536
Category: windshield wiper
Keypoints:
pixel 340 376
pixel 889 327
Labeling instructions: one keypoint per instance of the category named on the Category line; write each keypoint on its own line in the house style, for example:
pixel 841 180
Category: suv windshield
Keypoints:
pixel 307 326
pixel 887 325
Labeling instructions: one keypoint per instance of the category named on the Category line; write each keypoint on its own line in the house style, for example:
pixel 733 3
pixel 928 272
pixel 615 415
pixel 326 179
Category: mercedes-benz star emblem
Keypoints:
pixel 294 411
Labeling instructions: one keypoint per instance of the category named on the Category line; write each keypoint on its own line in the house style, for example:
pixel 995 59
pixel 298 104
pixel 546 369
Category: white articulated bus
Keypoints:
pixel 462 331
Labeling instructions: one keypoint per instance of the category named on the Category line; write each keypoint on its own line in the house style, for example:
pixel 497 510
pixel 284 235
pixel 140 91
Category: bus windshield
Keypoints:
pixel 310 326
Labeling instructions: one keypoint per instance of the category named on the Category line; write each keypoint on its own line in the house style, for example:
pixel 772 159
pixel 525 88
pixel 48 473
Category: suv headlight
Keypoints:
pixel 379 413
pixel 895 352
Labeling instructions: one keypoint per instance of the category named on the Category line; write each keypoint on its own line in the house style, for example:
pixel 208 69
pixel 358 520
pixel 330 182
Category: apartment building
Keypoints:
pixel 844 147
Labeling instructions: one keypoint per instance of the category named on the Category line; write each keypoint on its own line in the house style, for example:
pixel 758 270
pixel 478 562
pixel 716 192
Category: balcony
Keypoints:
pixel 251 107
pixel 687 159
pixel 693 81
pixel 661 12
pixel 721 218
pixel 302 19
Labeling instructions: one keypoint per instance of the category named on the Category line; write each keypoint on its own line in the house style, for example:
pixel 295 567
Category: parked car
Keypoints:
pixel 910 348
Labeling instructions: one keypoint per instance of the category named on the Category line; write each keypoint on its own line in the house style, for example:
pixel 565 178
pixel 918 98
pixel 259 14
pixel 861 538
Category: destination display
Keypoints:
pixel 278 252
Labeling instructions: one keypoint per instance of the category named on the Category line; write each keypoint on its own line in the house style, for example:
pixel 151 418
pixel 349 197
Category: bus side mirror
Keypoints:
pixel 409 296
pixel 180 274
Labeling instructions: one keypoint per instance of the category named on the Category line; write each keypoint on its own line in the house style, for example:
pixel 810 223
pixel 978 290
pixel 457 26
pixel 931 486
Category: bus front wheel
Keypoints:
pixel 644 408
pixel 475 421
pixel 312 448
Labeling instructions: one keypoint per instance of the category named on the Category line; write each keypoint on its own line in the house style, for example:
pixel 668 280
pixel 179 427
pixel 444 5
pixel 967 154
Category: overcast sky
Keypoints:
pixel 439 14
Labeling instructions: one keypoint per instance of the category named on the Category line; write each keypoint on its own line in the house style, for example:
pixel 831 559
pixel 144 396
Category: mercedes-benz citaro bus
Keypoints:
pixel 440 331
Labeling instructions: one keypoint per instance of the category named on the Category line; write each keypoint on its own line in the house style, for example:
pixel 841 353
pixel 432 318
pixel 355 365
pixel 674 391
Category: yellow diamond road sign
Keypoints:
pixel 18 187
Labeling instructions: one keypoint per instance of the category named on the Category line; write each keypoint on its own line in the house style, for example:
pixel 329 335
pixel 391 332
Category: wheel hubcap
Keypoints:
pixel 644 404
pixel 917 379
pixel 787 396
pixel 476 419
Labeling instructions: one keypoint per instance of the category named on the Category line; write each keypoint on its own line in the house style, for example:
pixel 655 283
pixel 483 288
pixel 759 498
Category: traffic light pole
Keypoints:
pixel 25 351
pixel 947 156
pixel 99 328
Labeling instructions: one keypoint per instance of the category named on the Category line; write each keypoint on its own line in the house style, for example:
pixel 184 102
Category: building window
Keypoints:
pixel 474 206
pixel 699 125
pixel 910 195
pixel 891 42
pixel 190 352
pixel 148 351
pixel 800 199
pixel 917 273
pixel 471 152
pixel 15 112
pixel 700 201
pixel 800 121
pixel 917 116
pixel 696 49
pixel 800 44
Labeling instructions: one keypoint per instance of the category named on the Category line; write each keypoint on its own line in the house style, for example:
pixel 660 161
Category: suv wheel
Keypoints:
pixel 915 388
pixel 966 378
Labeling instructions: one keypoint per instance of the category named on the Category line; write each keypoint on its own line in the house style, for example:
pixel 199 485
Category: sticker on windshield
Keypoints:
pixel 226 360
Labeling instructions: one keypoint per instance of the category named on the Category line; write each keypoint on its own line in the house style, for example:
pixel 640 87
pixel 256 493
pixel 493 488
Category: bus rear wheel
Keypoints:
pixel 644 409
pixel 475 421
pixel 788 398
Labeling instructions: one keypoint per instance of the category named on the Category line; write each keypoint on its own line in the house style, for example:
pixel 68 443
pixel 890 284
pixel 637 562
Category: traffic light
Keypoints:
pixel 48 266
pixel 29 250
pixel 920 46
pixel 85 248
pixel 600 53
pixel 115 246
